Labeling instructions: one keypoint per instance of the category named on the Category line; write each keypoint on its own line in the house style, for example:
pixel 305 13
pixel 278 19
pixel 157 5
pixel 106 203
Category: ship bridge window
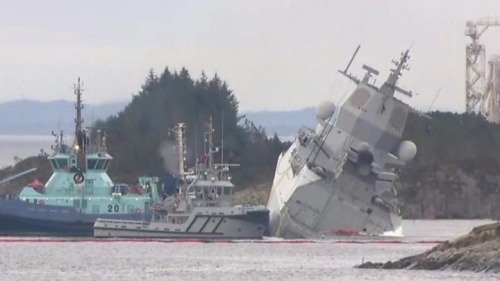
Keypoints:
pixel 61 163
pixel 107 164
pixel 54 164
pixel 100 164
pixel 91 164
pixel 228 190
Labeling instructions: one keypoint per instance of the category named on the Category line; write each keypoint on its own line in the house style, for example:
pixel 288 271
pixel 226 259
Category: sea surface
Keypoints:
pixel 249 260
pixel 22 147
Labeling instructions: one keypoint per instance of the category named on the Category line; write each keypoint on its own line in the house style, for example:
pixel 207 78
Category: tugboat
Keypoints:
pixel 78 192
pixel 201 209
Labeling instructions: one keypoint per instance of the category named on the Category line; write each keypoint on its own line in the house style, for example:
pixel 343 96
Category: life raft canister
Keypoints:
pixel 78 178
pixel 41 202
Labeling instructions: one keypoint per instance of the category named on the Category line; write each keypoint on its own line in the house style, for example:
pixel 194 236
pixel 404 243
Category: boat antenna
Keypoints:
pixel 210 144
pixel 79 106
pixel 222 139
pixel 195 145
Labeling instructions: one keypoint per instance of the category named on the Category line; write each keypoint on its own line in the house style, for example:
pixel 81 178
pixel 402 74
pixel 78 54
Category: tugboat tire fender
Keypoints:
pixel 78 178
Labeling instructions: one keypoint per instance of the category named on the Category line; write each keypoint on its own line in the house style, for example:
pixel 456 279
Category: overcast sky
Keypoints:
pixel 275 55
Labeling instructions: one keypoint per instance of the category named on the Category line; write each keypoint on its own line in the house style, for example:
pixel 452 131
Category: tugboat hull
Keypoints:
pixel 19 218
pixel 203 223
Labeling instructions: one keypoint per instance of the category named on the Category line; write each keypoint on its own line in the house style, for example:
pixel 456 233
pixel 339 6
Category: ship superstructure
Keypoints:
pixel 79 190
pixel 339 178
pixel 202 207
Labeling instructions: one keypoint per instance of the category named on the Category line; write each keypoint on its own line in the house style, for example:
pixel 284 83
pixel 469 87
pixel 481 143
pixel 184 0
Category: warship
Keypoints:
pixel 200 208
pixel 339 178
pixel 78 191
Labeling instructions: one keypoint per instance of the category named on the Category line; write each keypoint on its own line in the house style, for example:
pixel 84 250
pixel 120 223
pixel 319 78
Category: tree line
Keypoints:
pixel 137 134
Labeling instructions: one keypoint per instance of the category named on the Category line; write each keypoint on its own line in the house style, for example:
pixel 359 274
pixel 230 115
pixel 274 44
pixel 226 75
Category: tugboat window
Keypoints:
pixel 62 163
pixel 91 164
pixel 100 164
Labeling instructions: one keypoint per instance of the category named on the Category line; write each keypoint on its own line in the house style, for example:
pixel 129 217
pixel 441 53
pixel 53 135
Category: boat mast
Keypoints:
pixel 222 140
pixel 210 145
pixel 78 107
pixel 181 144
pixel 80 138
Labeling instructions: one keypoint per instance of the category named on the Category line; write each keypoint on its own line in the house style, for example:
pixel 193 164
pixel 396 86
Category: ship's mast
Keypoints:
pixel 210 145
pixel 80 137
pixel 389 86
pixel 78 106
pixel 181 144
pixel 222 140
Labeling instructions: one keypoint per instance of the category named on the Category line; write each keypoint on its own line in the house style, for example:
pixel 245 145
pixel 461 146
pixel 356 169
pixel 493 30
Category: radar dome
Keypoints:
pixel 407 150
pixel 325 109
pixel 363 146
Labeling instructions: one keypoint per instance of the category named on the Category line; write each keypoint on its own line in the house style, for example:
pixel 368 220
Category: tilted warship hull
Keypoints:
pixel 339 178
pixel 203 223
pixel 19 218
pixel 306 206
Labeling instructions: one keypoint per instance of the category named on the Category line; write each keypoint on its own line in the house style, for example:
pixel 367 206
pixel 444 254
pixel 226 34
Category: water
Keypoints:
pixel 217 261
pixel 22 147
pixel 227 261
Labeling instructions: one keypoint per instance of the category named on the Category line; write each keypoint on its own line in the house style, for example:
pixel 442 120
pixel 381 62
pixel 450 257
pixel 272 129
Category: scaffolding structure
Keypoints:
pixel 481 94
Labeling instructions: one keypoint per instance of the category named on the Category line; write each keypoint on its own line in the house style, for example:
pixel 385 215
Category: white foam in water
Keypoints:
pixel 397 233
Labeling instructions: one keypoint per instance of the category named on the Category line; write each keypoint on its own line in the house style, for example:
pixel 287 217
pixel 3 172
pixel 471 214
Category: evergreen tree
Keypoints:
pixel 138 133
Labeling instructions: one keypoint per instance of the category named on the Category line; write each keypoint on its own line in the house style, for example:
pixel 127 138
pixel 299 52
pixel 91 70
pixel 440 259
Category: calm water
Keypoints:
pixel 22 146
pixel 226 261
pixel 217 261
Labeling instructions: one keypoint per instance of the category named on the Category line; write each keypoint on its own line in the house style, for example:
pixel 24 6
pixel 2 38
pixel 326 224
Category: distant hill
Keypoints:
pixel 31 117
pixel 284 123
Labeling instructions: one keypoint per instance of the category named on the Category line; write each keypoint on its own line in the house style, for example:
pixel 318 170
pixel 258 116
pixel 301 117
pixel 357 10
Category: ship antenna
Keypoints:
pixel 80 136
pixel 389 87
pixel 78 106
pixel 210 144
pixel 195 146
pixel 222 140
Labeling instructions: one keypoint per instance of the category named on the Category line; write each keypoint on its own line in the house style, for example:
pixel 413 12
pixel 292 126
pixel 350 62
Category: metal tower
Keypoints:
pixel 492 90
pixel 475 83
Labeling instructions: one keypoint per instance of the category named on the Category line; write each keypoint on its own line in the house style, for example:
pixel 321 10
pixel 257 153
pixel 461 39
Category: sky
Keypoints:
pixel 275 55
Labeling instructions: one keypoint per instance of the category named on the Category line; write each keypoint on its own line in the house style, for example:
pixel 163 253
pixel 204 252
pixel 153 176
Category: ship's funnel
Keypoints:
pixel 365 159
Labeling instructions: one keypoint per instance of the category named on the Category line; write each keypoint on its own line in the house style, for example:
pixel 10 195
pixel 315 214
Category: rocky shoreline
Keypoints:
pixel 478 251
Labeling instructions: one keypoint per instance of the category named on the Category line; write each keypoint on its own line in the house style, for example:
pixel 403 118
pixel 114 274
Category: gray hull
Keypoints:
pixel 203 223
pixel 306 206
pixel 27 219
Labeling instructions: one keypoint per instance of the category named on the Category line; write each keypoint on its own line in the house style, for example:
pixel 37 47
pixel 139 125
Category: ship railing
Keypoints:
pixel 129 222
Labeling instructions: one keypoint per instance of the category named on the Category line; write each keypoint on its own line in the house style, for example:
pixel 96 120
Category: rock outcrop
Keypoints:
pixel 14 186
pixel 477 251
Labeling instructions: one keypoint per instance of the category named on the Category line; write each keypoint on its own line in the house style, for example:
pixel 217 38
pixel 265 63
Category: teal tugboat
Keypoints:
pixel 78 192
